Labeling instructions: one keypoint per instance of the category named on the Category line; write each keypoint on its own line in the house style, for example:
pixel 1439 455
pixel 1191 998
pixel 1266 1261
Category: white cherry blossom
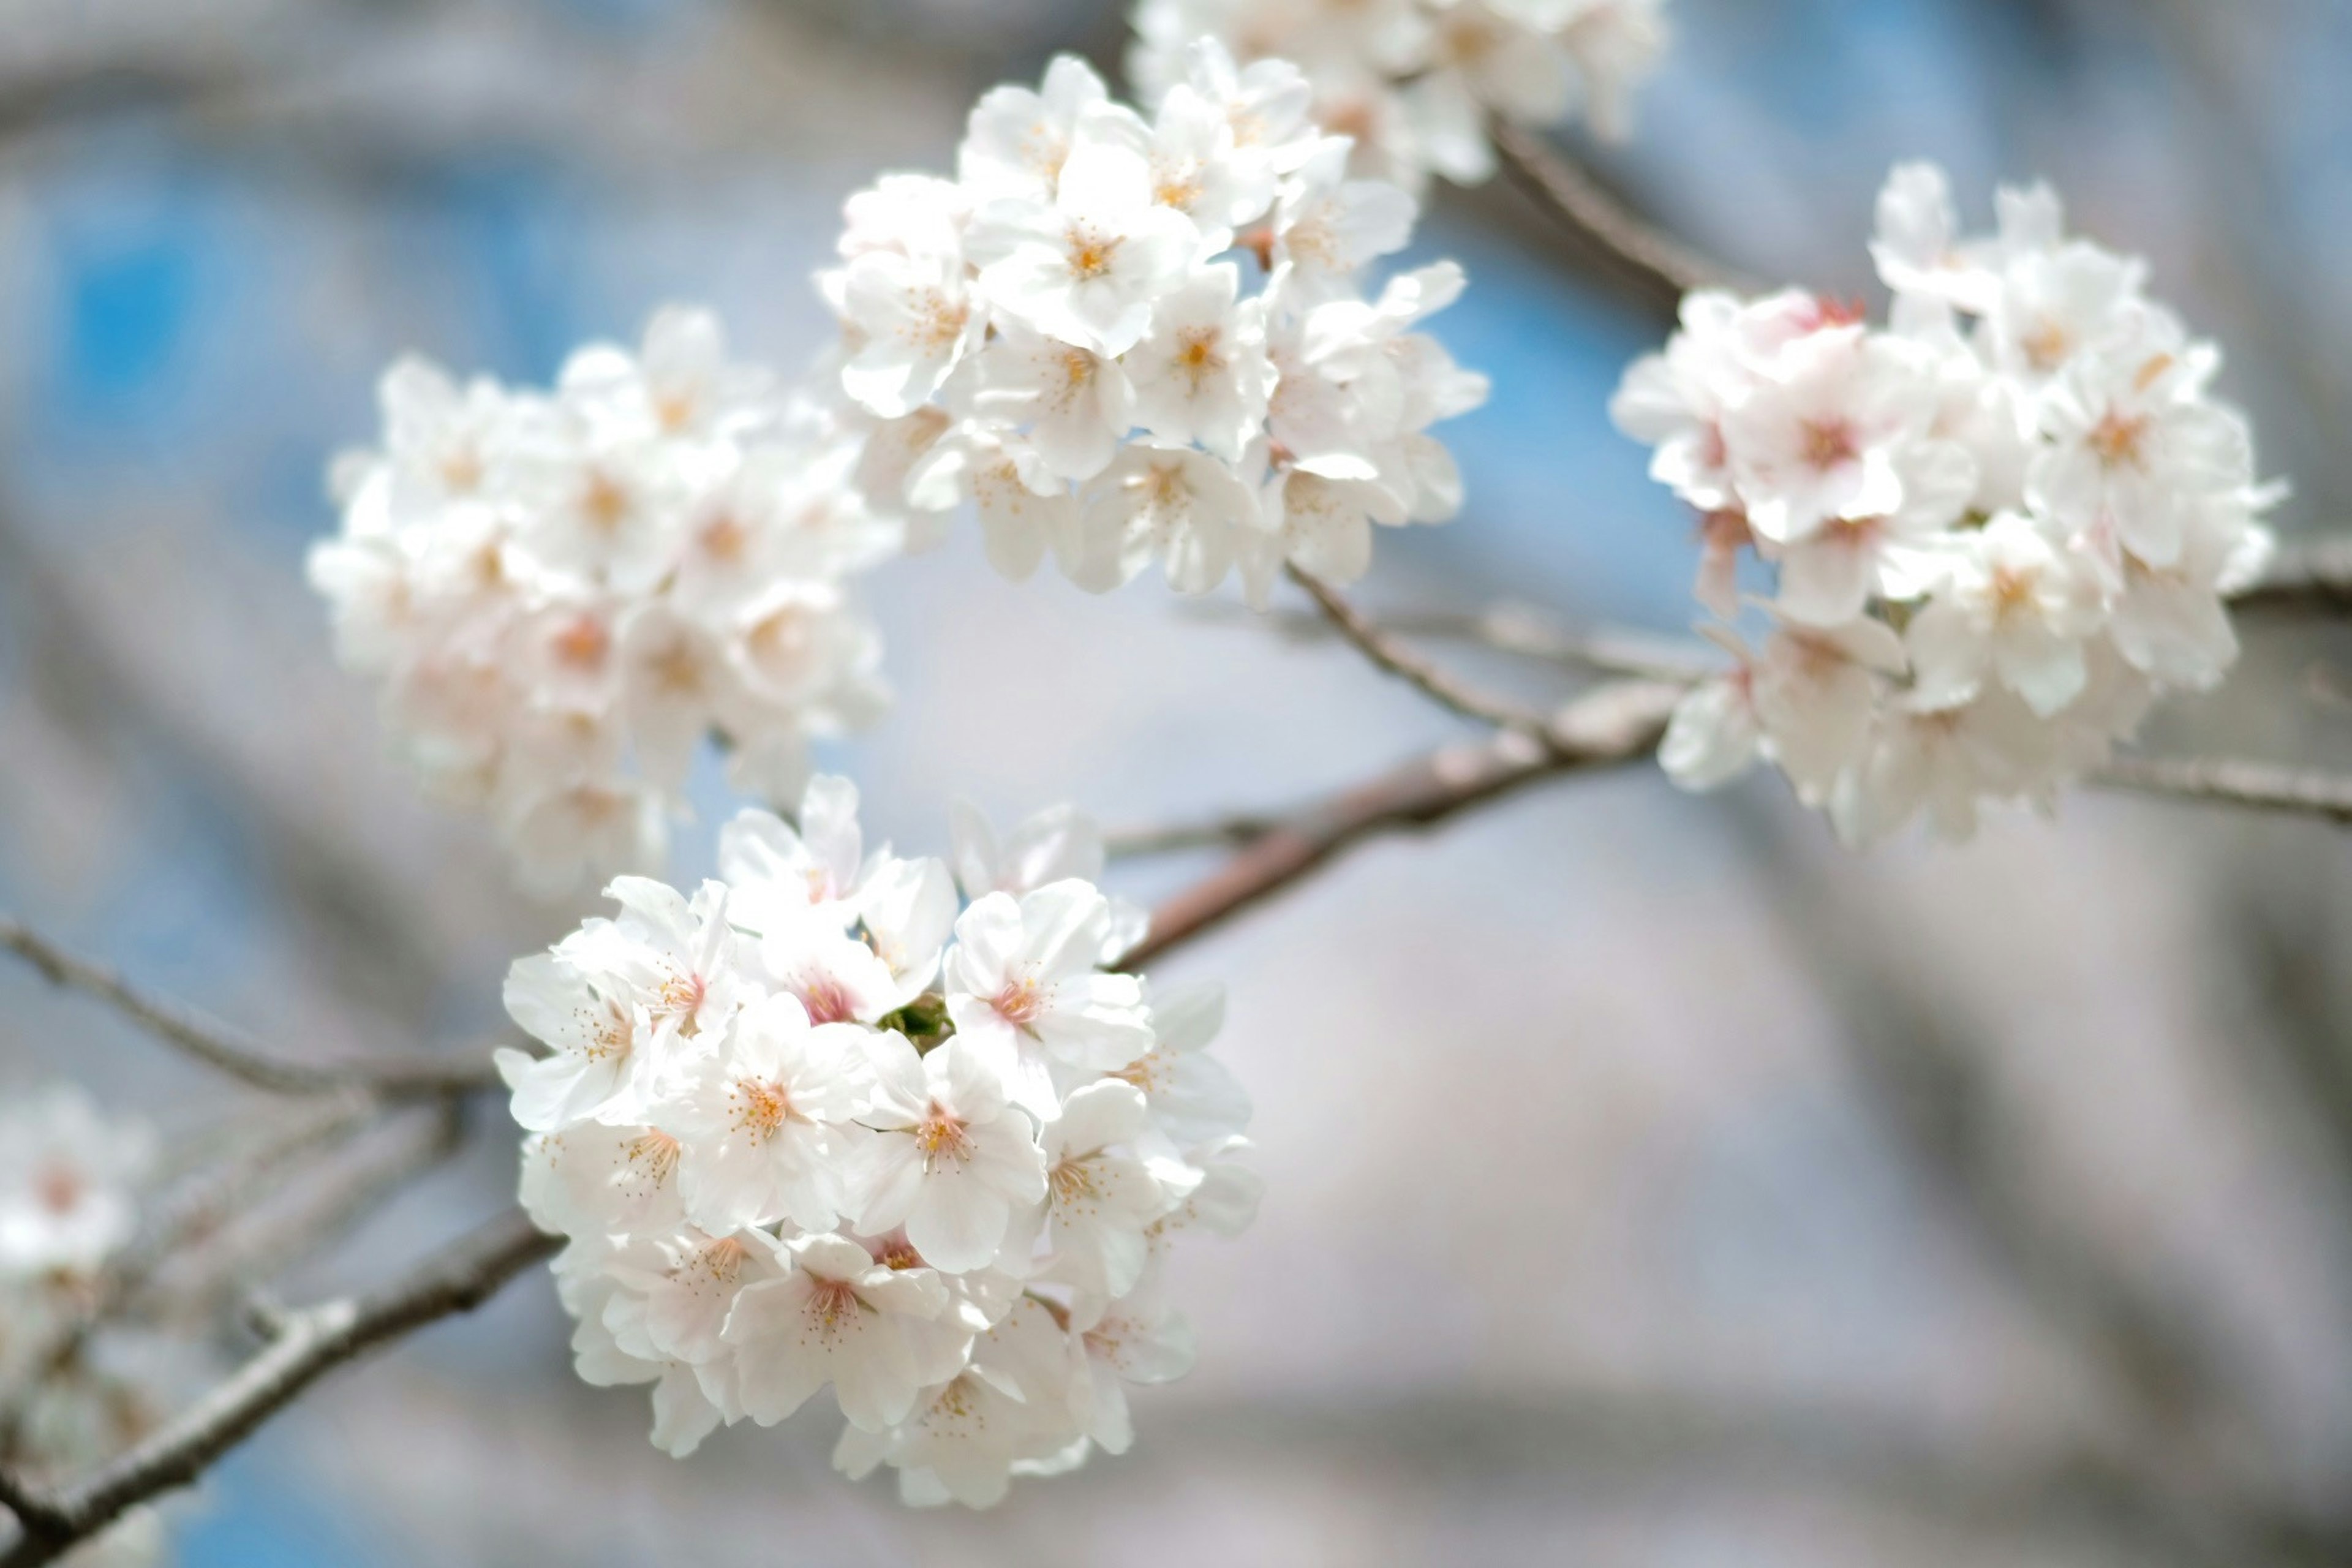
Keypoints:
pixel 1097 338
pixel 964 1440
pixel 1025 989
pixel 874 1333
pixel 1018 139
pixel 1134 1340
pixel 1994 531
pixel 954 1159
pixel 1202 373
pixel 1086 266
pixel 1100 1195
pixel 766 1120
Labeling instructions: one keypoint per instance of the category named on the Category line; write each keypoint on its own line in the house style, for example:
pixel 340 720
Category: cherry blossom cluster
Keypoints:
pixel 1996 530
pixel 824 1123
pixel 563 593
pixel 1411 83
pixel 1072 335
pixel 70 1179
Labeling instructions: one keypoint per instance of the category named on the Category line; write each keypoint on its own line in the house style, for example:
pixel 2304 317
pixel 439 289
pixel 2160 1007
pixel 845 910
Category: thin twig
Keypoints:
pixel 1392 655
pixel 1620 722
pixel 1661 267
pixel 2227 780
pixel 220 1046
pixel 268 1243
pixel 1520 631
pixel 1221 833
pixel 309 1345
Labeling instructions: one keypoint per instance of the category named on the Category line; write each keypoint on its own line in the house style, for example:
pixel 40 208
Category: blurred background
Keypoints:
pixel 1650 1182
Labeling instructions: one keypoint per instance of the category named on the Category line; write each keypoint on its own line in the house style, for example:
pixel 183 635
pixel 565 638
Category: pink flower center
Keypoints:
pixel 1091 254
pixel 1021 1002
pixel 653 1157
pixel 611 1032
pixel 761 1106
pixel 1073 1183
pixel 832 1306
pixel 1827 444
pixel 940 1135
pixel 59 1188
pixel 604 504
pixel 827 1001
pixel 581 645
pixel 723 538
pixel 683 994
pixel 2116 440
pixel 720 1261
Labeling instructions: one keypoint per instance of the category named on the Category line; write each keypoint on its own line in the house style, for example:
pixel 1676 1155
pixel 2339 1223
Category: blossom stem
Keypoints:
pixel 307 1344
pixel 220 1046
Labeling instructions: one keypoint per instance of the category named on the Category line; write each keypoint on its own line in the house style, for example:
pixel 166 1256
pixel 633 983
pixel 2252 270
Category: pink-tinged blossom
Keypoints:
pixel 1098 340
pixel 875 1333
pixel 567 594
pixel 953 1159
pixel 1994 533
pixel 1024 987
pixel 1411 83
pixel 767 1120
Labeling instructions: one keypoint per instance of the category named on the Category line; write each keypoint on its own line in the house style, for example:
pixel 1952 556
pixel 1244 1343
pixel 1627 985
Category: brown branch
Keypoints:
pixel 1424 676
pixel 307 1345
pixel 2312 576
pixel 1620 722
pixel 2224 780
pixel 222 1049
pixel 1656 265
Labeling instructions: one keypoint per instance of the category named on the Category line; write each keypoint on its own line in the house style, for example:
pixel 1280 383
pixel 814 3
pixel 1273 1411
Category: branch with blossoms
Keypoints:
pixel 918 1129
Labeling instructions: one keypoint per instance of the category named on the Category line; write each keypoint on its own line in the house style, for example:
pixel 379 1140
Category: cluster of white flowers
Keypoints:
pixel 1413 81
pixel 69 1184
pixel 564 593
pixel 1065 335
pixel 1999 528
pixel 816 1125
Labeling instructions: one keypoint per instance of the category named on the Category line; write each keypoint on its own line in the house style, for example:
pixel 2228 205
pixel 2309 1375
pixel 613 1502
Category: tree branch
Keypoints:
pixel 1233 832
pixel 1654 265
pixel 2225 781
pixel 1616 723
pixel 330 1206
pixel 307 1345
pixel 1519 630
pixel 220 1047
pixel 1424 676
pixel 2312 576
